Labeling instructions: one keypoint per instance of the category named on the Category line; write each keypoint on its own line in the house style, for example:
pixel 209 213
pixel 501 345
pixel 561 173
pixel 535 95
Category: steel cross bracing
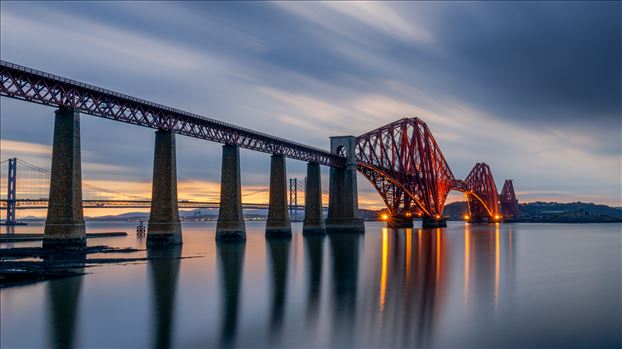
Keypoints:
pixel 482 196
pixel 403 161
pixel 509 204
pixel 406 166
pixel 39 87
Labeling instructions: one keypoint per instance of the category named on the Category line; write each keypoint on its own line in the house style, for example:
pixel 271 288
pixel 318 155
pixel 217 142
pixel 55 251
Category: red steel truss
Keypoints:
pixel 509 203
pixel 39 87
pixel 482 195
pixel 406 166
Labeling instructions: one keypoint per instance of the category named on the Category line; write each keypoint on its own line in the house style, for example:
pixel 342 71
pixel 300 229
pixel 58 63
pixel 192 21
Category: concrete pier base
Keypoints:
pixel 400 221
pixel 478 220
pixel 230 224
pixel 278 224
pixel 431 222
pixel 314 219
pixel 343 211
pixel 64 226
pixel 164 226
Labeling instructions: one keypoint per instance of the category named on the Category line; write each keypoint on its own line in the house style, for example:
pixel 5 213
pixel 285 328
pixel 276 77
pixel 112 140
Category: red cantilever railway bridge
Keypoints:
pixel 405 164
pixel 402 159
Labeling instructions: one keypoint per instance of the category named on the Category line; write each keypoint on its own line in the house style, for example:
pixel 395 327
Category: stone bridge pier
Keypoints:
pixel 164 226
pixel 401 220
pixel 278 224
pixel 230 225
pixel 64 226
pixel 314 218
pixel 343 210
pixel 428 222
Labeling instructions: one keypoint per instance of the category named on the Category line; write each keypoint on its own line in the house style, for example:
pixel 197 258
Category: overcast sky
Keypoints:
pixel 531 88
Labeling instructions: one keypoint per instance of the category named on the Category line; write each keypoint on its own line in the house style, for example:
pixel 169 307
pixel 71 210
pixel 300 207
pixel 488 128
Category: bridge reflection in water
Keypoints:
pixel 163 273
pixel 62 319
pixel 489 261
pixel 397 288
pixel 231 263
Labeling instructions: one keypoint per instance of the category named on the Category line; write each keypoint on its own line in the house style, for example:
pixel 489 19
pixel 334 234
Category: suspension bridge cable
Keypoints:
pixel 255 192
pixel 43 175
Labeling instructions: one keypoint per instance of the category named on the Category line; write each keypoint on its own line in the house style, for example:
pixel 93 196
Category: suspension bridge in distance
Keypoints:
pixel 28 188
pixel 402 160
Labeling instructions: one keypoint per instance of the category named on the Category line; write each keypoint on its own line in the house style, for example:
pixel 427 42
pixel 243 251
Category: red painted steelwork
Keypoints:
pixel 404 163
pixel 406 166
pixel 509 203
pixel 482 195
pixel 39 87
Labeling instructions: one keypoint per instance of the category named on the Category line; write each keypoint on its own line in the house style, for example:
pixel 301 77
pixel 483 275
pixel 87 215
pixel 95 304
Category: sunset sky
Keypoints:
pixel 533 89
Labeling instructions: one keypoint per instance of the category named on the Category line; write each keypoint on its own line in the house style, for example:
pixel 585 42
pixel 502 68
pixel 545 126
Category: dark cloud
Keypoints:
pixel 551 61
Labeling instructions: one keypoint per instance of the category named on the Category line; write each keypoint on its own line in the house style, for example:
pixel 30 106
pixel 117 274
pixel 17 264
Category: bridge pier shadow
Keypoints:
pixel 345 256
pixel 163 268
pixel 314 248
pixel 231 265
pixel 63 299
pixel 278 253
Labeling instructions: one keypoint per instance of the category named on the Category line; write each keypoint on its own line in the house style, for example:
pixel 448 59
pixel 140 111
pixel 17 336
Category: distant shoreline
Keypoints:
pixel 532 212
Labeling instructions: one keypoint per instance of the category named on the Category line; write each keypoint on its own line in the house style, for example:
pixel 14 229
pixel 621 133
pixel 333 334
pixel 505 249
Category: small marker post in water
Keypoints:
pixel 140 229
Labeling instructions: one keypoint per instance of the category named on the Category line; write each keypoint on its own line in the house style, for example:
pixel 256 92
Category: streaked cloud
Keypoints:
pixel 23 149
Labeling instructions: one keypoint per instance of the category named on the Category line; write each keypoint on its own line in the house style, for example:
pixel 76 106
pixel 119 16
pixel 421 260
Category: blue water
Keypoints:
pixel 467 286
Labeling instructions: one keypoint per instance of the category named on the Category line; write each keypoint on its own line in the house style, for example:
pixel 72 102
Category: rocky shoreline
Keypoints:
pixel 28 265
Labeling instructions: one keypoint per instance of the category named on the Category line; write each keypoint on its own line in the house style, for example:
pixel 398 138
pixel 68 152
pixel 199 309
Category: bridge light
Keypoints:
pixel 497 217
pixel 466 217
pixel 384 216
pixel 438 216
pixel 408 214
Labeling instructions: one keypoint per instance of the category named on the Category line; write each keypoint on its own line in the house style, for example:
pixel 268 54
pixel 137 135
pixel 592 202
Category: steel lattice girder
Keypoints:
pixel 402 158
pixel 482 194
pixel 406 166
pixel 39 87
pixel 509 204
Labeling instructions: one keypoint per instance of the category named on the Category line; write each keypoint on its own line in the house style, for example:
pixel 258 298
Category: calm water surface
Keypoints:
pixel 510 285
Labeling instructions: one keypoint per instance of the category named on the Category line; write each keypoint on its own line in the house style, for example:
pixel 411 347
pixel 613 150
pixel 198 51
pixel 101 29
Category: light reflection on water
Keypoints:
pixel 508 285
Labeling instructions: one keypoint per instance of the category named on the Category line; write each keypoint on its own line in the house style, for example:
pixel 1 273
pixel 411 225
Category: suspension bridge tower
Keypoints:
pixel 11 200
